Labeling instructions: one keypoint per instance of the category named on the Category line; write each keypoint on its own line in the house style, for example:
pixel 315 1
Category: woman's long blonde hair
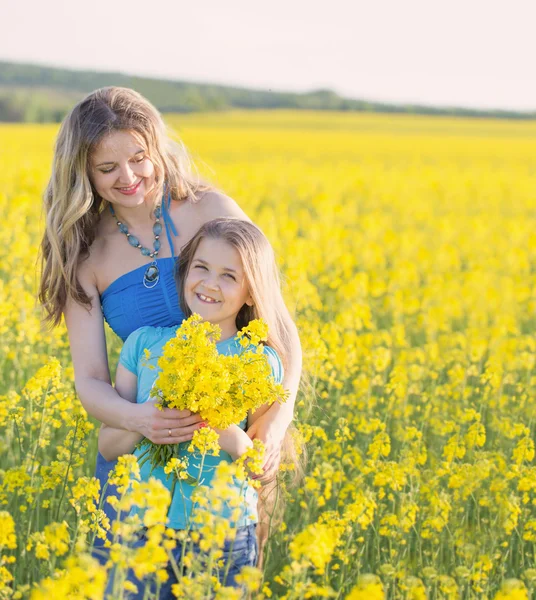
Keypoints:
pixel 262 277
pixel 72 205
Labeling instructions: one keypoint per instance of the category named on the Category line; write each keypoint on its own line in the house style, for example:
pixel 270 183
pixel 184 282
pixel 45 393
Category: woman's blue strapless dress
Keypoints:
pixel 127 305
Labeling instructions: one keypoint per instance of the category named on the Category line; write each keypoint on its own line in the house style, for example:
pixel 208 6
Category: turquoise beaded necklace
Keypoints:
pixel 152 273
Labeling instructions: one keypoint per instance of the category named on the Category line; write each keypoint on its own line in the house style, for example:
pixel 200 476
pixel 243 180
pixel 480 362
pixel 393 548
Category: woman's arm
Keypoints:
pixel 116 442
pixel 270 424
pixel 92 376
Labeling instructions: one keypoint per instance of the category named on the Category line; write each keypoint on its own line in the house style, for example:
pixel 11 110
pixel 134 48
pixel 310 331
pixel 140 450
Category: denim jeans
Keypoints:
pixel 102 472
pixel 244 553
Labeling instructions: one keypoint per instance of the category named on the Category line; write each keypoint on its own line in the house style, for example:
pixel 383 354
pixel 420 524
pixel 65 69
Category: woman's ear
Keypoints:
pixel 249 301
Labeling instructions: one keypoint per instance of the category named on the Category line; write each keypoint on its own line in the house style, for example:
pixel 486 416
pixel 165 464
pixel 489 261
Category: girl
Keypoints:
pixel 106 257
pixel 227 274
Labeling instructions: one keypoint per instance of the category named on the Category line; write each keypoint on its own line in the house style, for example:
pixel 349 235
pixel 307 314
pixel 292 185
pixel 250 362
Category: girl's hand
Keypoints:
pixel 270 434
pixel 156 424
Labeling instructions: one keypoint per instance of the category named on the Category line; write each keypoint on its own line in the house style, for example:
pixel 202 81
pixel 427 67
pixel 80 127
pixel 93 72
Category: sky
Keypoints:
pixel 472 53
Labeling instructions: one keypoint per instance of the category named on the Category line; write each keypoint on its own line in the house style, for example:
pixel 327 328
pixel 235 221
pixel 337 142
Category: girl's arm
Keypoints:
pixel 234 440
pixel 116 442
pixel 92 375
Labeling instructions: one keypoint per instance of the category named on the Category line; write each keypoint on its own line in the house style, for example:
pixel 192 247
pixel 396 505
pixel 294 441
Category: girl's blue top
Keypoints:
pixel 133 358
pixel 128 305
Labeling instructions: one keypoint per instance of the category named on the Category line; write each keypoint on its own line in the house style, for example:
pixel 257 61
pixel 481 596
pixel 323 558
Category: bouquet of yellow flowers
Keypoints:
pixel 220 388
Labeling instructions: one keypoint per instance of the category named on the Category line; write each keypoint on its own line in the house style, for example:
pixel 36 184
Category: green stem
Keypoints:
pixel 228 565
pixel 198 482
pixel 173 564
pixel 21 451
pixel 68 469
pixel 187 522
pixel 75 533
pixel 270 525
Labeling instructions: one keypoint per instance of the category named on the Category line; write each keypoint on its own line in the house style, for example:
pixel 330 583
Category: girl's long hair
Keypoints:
pixel 72 205
pixel 262 277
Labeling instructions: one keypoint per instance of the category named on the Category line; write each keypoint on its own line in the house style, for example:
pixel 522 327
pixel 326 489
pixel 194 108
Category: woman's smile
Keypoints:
pixel 129 191
pixel 121 169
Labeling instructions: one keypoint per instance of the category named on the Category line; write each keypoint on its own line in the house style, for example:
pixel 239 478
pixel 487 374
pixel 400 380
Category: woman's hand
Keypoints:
pixel 167 426
pixel 269 432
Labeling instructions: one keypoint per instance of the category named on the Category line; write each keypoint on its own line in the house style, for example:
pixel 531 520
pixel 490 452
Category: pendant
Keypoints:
pixel 151 275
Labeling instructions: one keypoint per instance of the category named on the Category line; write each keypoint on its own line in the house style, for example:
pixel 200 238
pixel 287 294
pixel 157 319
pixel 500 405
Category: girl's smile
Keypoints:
pixel 215 286
pixel 206 299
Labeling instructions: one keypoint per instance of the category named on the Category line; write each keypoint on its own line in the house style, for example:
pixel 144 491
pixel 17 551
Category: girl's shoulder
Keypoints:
pixel 144 338
pixel 148 336
pixel 138 337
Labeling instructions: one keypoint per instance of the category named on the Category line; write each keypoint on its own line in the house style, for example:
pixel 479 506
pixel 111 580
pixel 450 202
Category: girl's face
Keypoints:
pixel 120 169
pixel 216 287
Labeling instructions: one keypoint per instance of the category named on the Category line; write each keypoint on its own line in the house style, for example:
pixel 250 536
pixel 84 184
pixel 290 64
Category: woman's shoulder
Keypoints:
pixel 212 204
pixel 98 250
pixel 105 231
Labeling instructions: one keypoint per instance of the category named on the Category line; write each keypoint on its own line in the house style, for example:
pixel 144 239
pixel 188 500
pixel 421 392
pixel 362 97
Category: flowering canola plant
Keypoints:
pixel 408 250
pixel 221 388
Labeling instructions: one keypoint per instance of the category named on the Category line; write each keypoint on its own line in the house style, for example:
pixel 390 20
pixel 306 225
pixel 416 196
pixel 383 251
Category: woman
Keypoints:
pixel 118 183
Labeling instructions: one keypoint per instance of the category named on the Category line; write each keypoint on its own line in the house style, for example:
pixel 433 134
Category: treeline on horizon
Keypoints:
pixel 37 94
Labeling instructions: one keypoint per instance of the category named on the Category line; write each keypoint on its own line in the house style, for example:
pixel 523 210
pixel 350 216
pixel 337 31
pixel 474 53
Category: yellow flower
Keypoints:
pixel 252 459
pixel 381 446
pixel 127 468
pixel 177 466
pixel 250 578
pixel 524 451
pixel 206 441
pixel 57 537
pixel 8 539
pixel 82 577
pixel 512 589
pixel 369 587
pixel 85 494
pixel 253 334
pixel 315 545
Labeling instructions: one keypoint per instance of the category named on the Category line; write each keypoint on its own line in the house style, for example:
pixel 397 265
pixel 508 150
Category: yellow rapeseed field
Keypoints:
pixel 408 248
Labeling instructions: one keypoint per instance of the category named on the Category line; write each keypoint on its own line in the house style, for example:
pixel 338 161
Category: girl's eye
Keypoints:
pixel 231 276
pixel 108 171
pixel 200 267
pixel 139 160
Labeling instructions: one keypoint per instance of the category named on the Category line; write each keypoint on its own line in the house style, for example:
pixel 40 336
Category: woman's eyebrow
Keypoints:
pixel 112 162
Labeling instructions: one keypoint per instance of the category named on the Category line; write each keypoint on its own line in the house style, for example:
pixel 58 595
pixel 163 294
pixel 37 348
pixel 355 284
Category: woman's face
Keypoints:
pixel 120 169
pixel 216 287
